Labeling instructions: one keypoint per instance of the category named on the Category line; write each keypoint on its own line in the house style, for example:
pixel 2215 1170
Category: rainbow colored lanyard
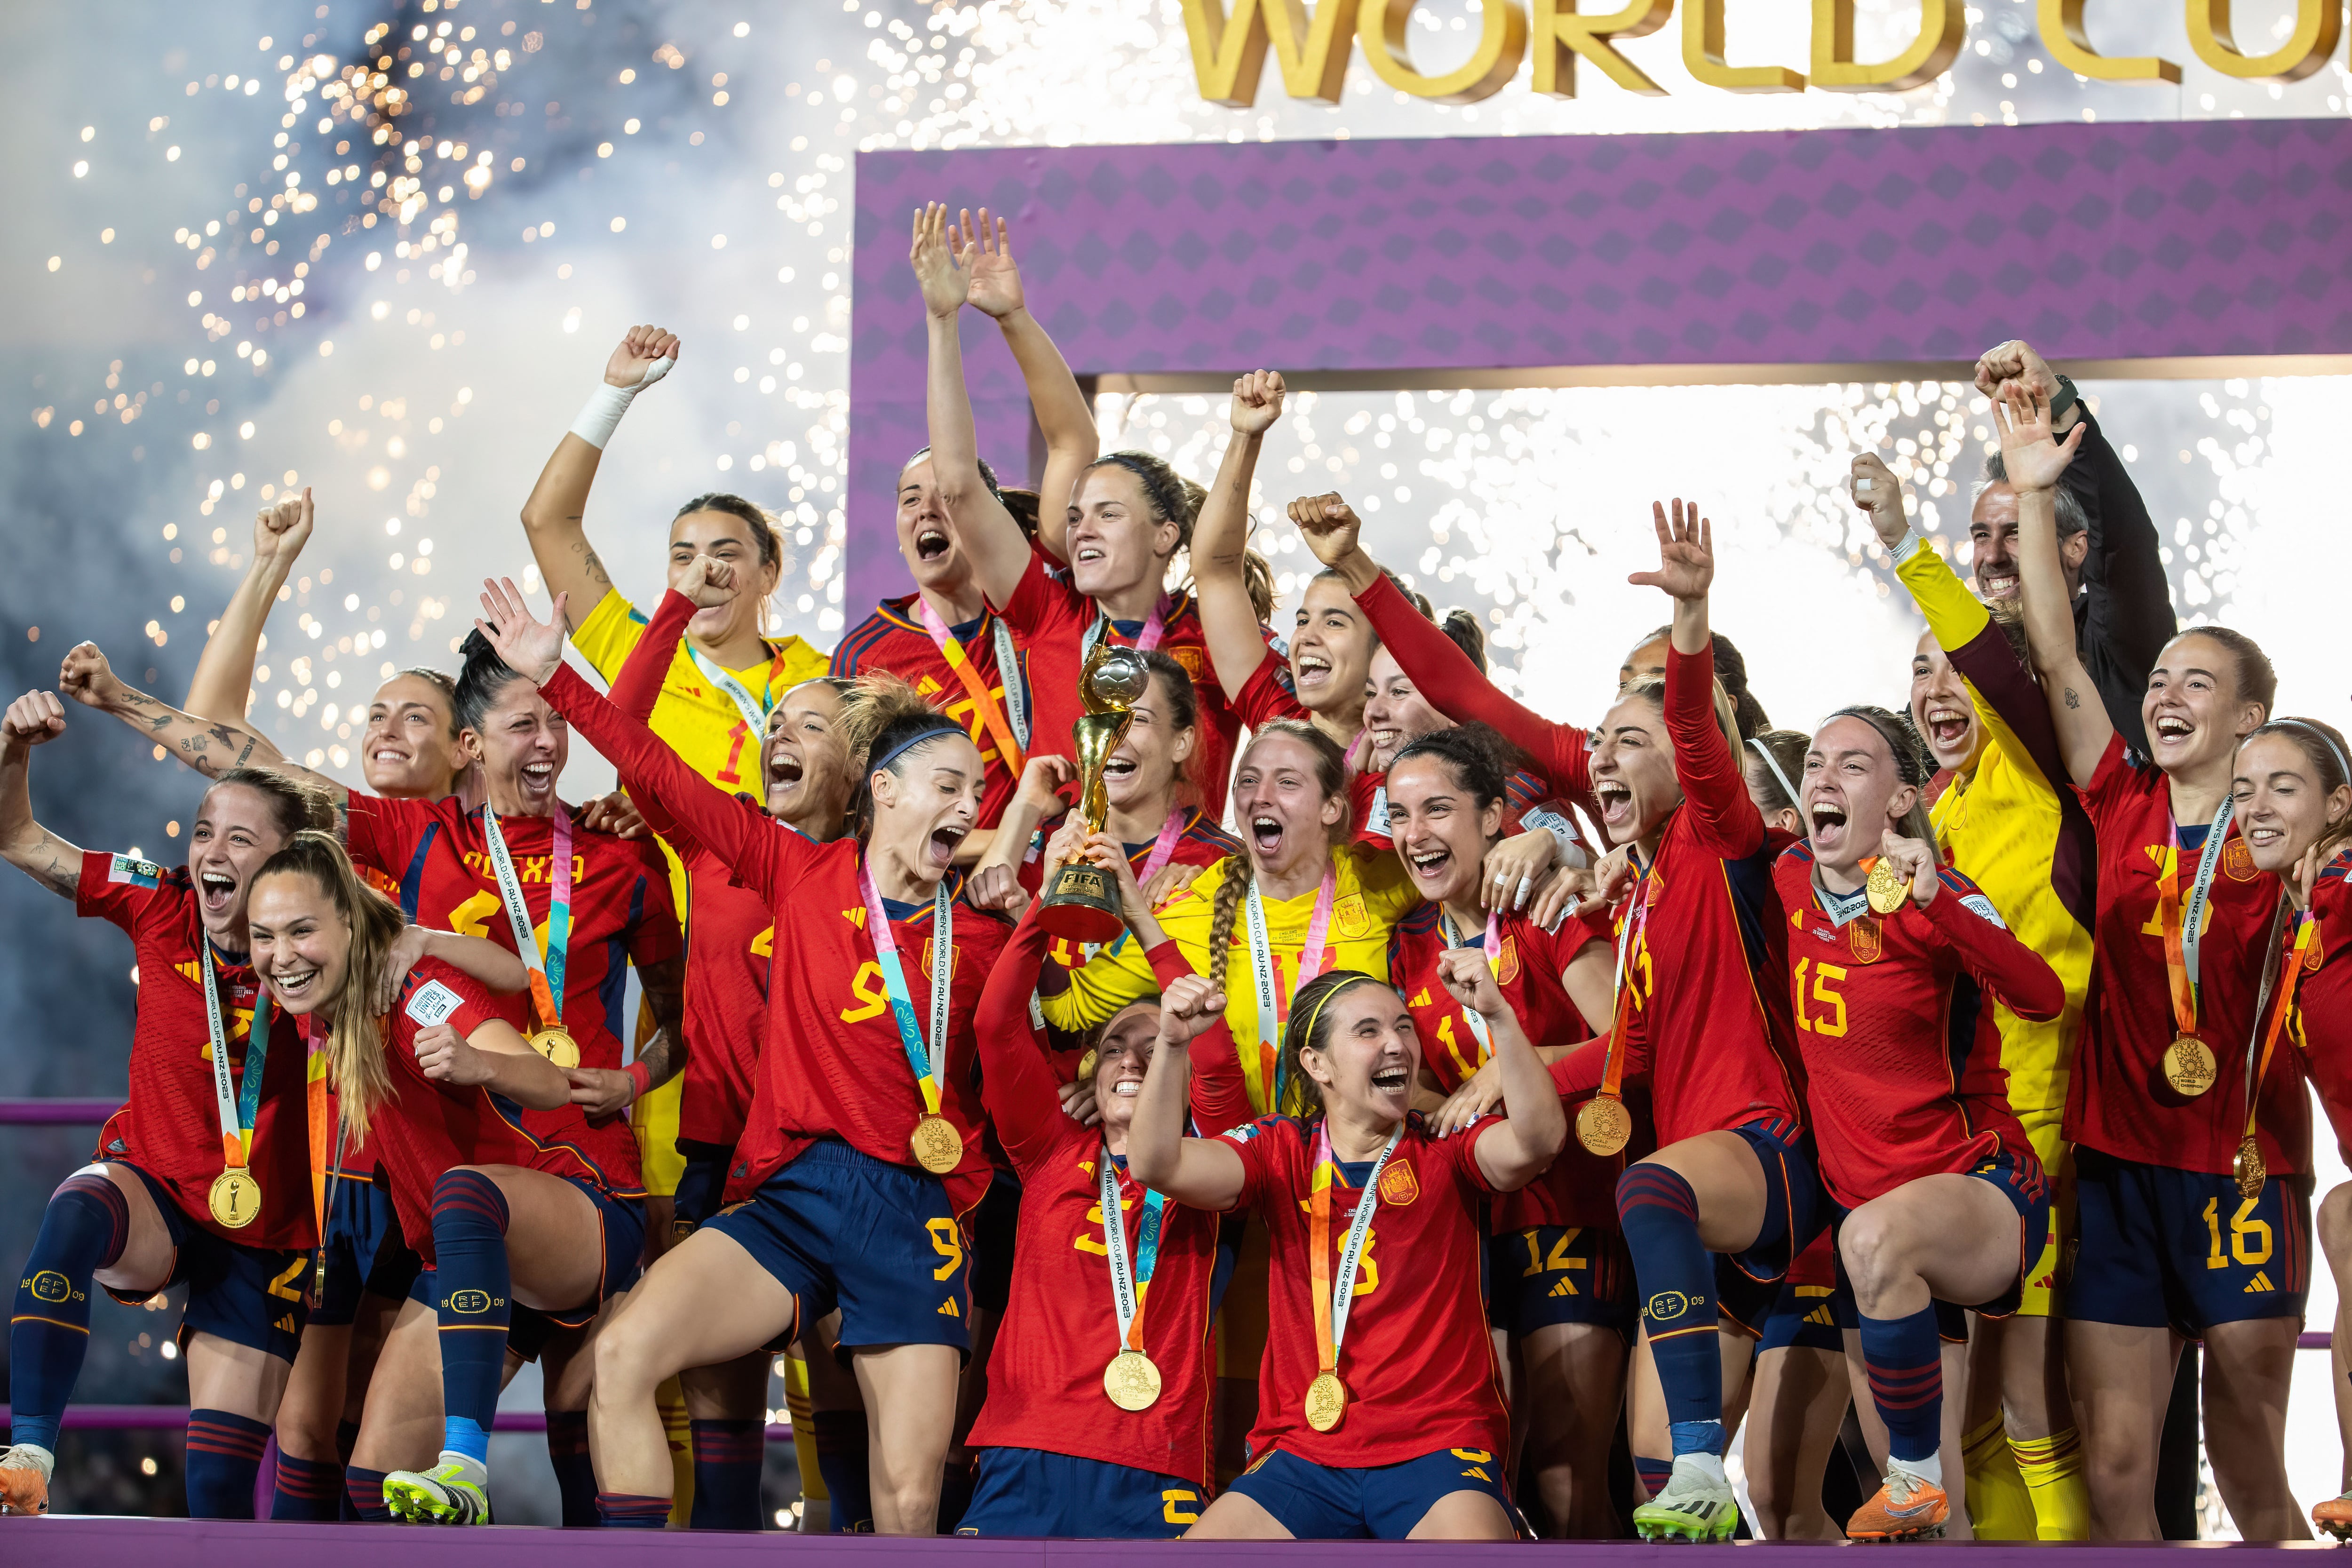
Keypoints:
pixel 754 710
pixel 1271 1016
pixel 239 1103
pixel 1334 1296
pixel 1129 1281
pixel 1011 736
pixel 923 1055
pixel 546 971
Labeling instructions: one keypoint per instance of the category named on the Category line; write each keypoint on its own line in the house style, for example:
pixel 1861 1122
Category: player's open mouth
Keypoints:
pixel 538 778
pixel 785 769
pixel 1386 742
pixel 1313 669
pixel 1266 832
pixel 944 841
pixel 1616 802
pixel 1390 1080
pixel 294 986
pixel 2264 836
pixel 1429 865
pixel 1947 726
pixel 930 544
pixel 1118 765
pixel 1128 1086
pixel 2171 728
pixel 217 889
pixel 1087 556
pixel 384 756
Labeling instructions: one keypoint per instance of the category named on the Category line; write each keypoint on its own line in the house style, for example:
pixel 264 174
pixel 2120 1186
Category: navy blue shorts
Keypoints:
pixel 252 1296
pixel 2158 1248
pixel 1807 1317
pixel 839 1228
pixel 1382 1503
pixel 1550 1274
pixel 364 1250
pixel 1796 1205
pixel 701 1187
pixel 624 1224
pixel 2027 1192
pixel 1030 1492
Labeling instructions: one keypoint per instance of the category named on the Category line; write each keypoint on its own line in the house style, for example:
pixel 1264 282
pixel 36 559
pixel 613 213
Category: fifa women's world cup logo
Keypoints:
pixel 1082 901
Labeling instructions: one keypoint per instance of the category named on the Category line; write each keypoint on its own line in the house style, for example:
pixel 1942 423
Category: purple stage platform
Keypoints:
pixel 181 1544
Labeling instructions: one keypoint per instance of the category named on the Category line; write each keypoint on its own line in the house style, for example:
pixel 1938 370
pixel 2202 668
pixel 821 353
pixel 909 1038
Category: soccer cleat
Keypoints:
pixel 450 1492
pixel 25 1479
pixel 1906 1508
pixel 2334 1516
pixel 1696 1504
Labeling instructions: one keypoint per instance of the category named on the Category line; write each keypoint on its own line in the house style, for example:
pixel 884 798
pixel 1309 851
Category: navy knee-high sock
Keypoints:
pixel 224 1459
pixel 1907 1381
pixel 728 1458
pixel 575 1473
pixel 843 1459
pixel 308 1488
pixel 83 1230
pixel 364 1492
pixel 1660 1216
pixel 471 1295
pixel 627 1511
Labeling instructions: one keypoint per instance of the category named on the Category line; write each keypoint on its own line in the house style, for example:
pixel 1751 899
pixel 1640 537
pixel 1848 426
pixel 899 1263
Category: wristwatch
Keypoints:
pixel 2065 397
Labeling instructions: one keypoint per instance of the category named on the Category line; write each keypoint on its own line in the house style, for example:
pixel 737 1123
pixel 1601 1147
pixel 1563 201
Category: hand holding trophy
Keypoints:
pixel 1082 903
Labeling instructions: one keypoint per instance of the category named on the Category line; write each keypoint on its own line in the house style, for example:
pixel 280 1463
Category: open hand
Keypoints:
pixel 1479 1094
pixel 533 649
pixel 279 531
pixel 1686 554
pixel 1330 524
pixel 1080 1103
pixel 2031 450
pixel 1513 867
pixel 644 357
pixel 941 267
pixel 1563 890
pixel 1257 402
pixel 398 960
pixel 1168 882
pixel 1878 491
pixel 992 282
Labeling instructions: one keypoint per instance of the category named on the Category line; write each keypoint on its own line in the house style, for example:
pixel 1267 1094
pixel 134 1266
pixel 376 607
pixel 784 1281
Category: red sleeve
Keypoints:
pixel 1220 1093
pixel 1261 1144
pixel 1020 1088
pixel 638 687
pixel 2014 972
pixel 1266 696
pixel 2113 781
pixel 1557 949
pixel 1462 1150
pixel 438 992
pixel 655 938
pixel 1714 787
pixel 1430 659
pixel 1576 1075
pixel 382 834
pixel 764 857
pixel 1039 606
pixel 102 894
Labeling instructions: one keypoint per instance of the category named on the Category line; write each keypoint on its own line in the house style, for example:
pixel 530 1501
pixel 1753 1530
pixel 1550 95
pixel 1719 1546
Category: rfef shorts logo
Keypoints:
pixel 470 1303
pixel 1665 1306
pixel 50 1285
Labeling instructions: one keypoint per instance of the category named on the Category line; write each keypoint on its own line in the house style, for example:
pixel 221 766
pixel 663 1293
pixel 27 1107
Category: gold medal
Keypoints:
pixel 1086 1066
pixel 1603 1125
pixel 2188 1066
pixel 1326 1401
pixel 557 1045
pixel 1887 888
pixel 235 1197
pixel 938 1148
pixel 1132 1380
pixel 2250 1171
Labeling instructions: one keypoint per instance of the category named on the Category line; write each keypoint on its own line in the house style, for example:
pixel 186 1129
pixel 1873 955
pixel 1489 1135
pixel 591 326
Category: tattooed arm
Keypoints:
pixel 33 719
pixel 552 517
pixel 600 1091
pixel 211 747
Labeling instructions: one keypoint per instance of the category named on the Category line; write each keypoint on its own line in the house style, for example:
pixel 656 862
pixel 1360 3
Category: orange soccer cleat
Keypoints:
pixel 1907 1508
pixel 23 1480
pixel 2334 1516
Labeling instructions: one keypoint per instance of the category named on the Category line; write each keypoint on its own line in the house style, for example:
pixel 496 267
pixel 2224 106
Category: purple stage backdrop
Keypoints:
pixel 1743 257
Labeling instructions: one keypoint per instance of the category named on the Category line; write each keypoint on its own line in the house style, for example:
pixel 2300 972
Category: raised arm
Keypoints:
pixel 1022 1095
pixel 1228 620
pixel 552 517
pixel 33 719
pixel 986 530
pixel 1204 1172
pixel 1518 1149
pixel 708 583
pixel 210 747
pixel 223 677
pixel 2035 462
pixel 1063 417
pixel 1715 785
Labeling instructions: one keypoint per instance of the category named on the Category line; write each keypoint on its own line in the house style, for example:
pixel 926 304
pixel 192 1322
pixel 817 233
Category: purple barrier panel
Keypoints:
pixel 173 1417
pixel 1815 255
pixel 57 1112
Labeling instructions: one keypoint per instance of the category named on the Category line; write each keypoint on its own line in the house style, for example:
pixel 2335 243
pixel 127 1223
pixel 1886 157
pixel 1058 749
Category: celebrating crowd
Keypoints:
pixel 1461 1103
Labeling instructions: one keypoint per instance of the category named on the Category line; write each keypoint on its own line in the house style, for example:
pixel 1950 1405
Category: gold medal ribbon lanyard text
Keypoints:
pixel 235 1195
pixel 938 1146
pixel 1334 1291
pixel 552 1041
pixel 2189 1063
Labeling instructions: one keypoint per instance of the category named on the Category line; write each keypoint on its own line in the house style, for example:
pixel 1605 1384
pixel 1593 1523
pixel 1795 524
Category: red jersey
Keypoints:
pixel 1580 1188
pixel 1060 1326
pixel 1895 1021
pixel 1268 694
pixel 170 1125
pixel 1708 1020
pixel 1050 620
pixel 1201 842
pixel 427 1128
pixel 1367 807
pixel 1458 689
pixel 1418 1359
pixel 892 639
pixel 621 912
pixel 729 938
pixel 832 1064
pixel 2118 1101
pixel 2322 1019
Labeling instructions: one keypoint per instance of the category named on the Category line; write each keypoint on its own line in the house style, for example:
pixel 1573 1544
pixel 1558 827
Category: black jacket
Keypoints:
pixel 2123 616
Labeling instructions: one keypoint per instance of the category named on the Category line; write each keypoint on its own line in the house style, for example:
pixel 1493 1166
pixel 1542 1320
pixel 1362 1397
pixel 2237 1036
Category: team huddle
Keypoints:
pixel 1466 1102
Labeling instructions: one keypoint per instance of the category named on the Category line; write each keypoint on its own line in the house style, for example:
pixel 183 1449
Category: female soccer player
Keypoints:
pixel 1382 1413
pixel 862 1147
pixel 1559 1290
pixel 520 864
pixel 1128 516
pixel 499 1213
pixel 2192 1192
pixel 1938 1197
pixel 204 1176
pixel 807 785
pixel 2008 821
pixel 2292 789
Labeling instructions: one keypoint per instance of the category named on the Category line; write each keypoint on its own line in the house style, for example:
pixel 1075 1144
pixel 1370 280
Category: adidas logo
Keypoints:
pixel 1565 1287
pixel 2258 1284
pixel 1475 1470
pixel 947 1308
pixel 1820 1318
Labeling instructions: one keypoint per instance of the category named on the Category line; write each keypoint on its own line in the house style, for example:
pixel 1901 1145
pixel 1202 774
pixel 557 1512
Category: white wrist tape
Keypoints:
pixel 1911 546
pixel 602 415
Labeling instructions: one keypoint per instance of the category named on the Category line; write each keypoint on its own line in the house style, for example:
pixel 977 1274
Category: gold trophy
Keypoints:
pixel 1082 903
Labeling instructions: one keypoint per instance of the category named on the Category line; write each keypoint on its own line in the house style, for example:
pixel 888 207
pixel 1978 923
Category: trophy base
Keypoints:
pixel 1081 904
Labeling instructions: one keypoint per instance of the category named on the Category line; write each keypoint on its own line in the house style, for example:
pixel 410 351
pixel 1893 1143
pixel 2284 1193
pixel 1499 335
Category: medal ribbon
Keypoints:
pixel 754 709
pixel 325 1138
pixel 546 973
pixel 1494 945
pixel 1633 928
pixel 239 1103
pixel 2184 933
pixel 1333 1297
pixel 1129 1282
pixel 1155 626
pixel 1271 1014
pixel 2278 995
pixel 1011 738
pixel 1163 846
pixel 923 1052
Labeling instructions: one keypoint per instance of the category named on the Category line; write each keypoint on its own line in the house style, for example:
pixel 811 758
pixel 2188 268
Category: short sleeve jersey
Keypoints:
pixel 2119 1102
pixel 170 1126
pixel 1417 1359
pixel 891 639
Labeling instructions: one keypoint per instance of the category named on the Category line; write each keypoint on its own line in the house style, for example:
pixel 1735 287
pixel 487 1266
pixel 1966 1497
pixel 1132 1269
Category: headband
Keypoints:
pixel 1341 989
pixel 2333 750
pixel 1774 762
pixel 929 732
pixel 1165 497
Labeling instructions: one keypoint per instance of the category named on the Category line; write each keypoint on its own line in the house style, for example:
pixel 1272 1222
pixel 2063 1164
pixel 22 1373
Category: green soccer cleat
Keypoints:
pixel 451 1492
pixel 1697 1504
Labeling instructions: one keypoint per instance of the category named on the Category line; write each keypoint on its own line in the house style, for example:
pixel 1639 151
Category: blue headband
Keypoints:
pixel 910 744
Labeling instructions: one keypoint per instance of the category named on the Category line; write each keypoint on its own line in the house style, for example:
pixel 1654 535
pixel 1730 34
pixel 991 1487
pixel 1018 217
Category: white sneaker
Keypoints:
pixel 1696 1504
